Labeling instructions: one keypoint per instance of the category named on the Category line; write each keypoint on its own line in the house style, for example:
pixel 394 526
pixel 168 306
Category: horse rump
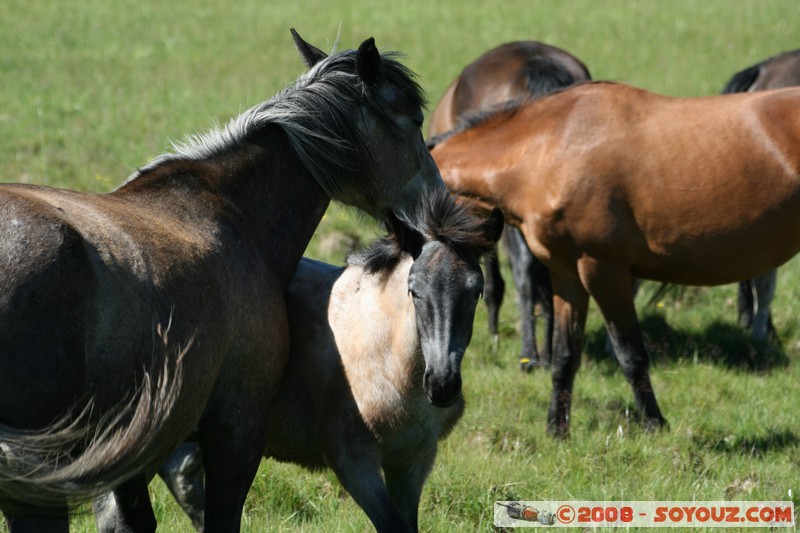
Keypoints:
pixel 79 457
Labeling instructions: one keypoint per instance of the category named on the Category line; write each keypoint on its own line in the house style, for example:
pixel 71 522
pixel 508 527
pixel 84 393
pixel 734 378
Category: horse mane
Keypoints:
pixel 315 113
pixel 437 218
pixel 545 75
pixel 742 80
pixel 472 119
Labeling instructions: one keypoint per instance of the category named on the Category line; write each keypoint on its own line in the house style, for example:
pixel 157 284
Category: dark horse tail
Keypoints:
pixel 78 457
pixel 743 80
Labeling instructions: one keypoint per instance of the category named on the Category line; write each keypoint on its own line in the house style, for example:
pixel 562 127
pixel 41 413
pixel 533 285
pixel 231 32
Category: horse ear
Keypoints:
pixel 407 238
pixel 369 64
pixel 494 225
pixel 311 54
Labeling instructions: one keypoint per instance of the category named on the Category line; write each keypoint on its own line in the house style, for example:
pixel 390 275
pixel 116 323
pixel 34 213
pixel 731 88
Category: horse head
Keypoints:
pixel 386 165
pixel 445 283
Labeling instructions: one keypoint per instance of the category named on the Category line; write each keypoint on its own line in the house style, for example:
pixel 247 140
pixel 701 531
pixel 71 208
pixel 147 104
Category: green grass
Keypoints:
pixel 93 88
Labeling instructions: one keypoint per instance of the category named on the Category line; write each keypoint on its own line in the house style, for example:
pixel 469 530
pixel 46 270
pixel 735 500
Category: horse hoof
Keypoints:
pixel 654 425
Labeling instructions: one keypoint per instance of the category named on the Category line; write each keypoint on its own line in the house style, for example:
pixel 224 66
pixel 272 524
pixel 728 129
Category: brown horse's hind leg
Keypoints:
pixel 611 288
pixel 570 305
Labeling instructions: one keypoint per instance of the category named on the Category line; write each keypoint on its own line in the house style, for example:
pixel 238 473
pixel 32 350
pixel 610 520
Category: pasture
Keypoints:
pixel 91 92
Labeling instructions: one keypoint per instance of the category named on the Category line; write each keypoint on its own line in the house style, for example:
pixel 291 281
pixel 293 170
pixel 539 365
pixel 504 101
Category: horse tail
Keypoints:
pixel 545 75
pixel 743 80
pixel 79 457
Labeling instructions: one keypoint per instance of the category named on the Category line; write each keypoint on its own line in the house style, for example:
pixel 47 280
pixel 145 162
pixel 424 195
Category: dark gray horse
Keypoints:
pixel 135 317
pixel 373 380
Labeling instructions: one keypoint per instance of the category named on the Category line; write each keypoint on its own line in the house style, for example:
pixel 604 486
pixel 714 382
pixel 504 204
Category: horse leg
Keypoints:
pixel 405 486
pixel 636 284
pixel 745 303
pixel 543 292
pixel 612 289
pixel 765 291
pixel 232 445
pixel 493 290
pixel 570 306
pixel 132 510
pixel 521 260
pixel 54 523
pixel 183 475
pixel 359 472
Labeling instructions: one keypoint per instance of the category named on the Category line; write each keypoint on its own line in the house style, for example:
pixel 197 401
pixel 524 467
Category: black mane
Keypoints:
pixel 438 218
pixel 471 119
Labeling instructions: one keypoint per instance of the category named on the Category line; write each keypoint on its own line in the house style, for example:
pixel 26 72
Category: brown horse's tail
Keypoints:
pixel 78 457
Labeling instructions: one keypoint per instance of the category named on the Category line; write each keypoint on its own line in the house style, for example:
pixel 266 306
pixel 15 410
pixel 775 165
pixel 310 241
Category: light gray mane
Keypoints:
pixel 316 114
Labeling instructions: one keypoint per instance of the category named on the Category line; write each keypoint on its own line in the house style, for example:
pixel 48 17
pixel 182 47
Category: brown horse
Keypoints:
pixel 608 181
pixel 188 259
pixel 755 295
pixel 373 380
pixel 509 72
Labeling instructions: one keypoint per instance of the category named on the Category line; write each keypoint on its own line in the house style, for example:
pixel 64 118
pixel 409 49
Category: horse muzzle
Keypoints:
pixel 442 391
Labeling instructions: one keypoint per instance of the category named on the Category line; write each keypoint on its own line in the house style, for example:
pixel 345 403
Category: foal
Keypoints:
pixel 373 380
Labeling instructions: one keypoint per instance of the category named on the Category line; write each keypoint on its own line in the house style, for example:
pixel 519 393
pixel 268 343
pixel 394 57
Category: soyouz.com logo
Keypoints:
pixel 643 514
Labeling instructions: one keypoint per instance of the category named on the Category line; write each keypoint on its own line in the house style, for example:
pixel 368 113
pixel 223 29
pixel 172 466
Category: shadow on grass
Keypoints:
pixel 719 344
pixel 750 445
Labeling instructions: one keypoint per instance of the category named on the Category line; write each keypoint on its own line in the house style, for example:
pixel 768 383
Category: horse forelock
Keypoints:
pixel 316 114
pixel 438 218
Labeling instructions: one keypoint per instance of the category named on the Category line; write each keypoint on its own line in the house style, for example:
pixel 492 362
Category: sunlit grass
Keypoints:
pixel 92 91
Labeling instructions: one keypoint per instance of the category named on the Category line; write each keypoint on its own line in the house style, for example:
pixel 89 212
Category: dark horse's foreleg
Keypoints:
pixel 521 260
pixel 755 298
pixel 128 509
pixel 493 290
pixel 359 472
pixel 570 305
pixel 610 286
pixel 405 486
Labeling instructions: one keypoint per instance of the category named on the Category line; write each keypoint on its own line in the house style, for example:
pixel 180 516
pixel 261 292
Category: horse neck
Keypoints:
pixel 259 188
pixel 483 163
pixel 383 362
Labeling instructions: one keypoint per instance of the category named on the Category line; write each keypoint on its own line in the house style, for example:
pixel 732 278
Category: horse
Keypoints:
pixel 609 182
pixel 755 295
pixel 373 380
pixel 184 268
pixel 508 72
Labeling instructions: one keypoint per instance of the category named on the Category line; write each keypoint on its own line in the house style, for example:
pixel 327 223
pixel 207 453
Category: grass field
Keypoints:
pixel 93 88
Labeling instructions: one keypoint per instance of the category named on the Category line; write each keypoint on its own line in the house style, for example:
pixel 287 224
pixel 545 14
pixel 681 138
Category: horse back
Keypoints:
pixel 624 165
pixel 779 71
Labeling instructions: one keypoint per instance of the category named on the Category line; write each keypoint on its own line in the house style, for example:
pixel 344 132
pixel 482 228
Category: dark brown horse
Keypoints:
pixel 609 182
pixel 755 295
pixel 509 72
pixel 181 272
